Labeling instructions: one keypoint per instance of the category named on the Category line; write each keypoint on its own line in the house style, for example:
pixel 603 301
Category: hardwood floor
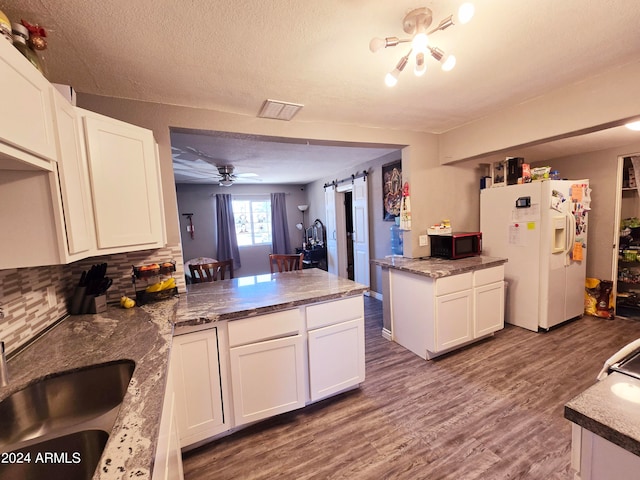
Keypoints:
pixel 493 410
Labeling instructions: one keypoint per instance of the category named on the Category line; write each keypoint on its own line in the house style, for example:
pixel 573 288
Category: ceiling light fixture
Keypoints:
pixel 416 24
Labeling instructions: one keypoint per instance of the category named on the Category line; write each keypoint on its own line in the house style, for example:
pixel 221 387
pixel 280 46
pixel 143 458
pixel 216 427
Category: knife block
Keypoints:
pixel 98 304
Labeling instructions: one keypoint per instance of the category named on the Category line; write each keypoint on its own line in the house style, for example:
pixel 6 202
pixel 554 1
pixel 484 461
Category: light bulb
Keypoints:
pixel 420 66
pixel 420 42
pixel 376 44
pixel 392 78
pixel 449 63
pixel 635 126
pixel 466 12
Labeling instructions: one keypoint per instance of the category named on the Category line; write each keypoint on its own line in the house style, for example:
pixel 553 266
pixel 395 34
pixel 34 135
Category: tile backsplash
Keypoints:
pixel 25 292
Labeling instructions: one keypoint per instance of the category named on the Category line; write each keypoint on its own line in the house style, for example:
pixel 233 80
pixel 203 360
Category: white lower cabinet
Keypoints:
pixel 168 459
pixel 267 378
pixel 267 373
pixel 595 458
pixel 253 368
pixel 489 311
pixel 336 346
pixel 196 372
pixel 453 324
pixel 433 316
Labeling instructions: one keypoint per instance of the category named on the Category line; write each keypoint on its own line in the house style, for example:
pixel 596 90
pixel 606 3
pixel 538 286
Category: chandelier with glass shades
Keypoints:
pixel 416 23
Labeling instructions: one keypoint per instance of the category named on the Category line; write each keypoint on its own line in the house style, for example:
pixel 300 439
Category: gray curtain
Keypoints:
pixel 279 229
pixel 227 241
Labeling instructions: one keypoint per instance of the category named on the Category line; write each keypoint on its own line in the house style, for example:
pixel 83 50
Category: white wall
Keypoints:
pixel 602 101
pixel 200 200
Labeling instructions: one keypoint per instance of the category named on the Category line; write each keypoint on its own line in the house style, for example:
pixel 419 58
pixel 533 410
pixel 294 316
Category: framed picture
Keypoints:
pixel 499 174
pixel 391 190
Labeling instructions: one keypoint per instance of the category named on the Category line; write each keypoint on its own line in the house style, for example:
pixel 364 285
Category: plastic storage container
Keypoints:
pixel 396 238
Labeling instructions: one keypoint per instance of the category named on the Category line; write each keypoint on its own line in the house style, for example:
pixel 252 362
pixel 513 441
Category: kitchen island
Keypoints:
pixel 145 336
pixel 605 441
pixel 432 306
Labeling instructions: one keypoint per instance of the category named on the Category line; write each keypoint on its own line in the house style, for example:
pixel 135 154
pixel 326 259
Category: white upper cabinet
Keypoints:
pixel 74 184
pixel 73 176
pixel 27 133
pixel 124 175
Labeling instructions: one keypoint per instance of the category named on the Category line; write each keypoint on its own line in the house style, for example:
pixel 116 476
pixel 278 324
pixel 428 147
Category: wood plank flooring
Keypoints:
pixel 493 410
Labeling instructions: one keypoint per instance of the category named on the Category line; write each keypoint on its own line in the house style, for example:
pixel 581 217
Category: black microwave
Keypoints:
pixel 456 245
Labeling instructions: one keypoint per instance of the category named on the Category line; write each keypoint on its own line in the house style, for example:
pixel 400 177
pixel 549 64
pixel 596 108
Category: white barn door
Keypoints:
pixel 360 212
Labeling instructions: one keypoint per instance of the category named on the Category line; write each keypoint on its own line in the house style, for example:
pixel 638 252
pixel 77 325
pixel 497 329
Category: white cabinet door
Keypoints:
pixel 195 365
pixel 27 133
pixel 73 180
pixel 124 174
pixel 453 319
pixel 168 460
pixel 267 378
pixel 336 358
pixel 489 308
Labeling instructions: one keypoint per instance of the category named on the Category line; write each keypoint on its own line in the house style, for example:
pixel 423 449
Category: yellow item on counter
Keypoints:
pixel 126 302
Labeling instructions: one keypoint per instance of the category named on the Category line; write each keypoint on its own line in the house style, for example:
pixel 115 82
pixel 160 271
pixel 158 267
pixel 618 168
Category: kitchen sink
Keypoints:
pixel 86 399
pixel 70 457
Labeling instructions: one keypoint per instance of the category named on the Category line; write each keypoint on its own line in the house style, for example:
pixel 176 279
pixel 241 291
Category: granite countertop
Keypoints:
pixel 144 335
pixel 611 410
pixel 140 334
pixel 206 303
pixel 439 267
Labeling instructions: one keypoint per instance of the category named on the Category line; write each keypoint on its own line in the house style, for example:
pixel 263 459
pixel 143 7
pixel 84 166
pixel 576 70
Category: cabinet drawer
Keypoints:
pixel 454 283
pixel 488 275
pixel 264 327
pixel 338 311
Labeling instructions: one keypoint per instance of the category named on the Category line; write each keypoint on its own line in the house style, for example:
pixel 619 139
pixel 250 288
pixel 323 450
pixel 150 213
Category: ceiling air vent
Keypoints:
pixel 279 110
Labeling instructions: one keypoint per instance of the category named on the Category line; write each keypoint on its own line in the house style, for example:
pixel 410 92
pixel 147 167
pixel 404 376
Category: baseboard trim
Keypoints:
pixel 386 334
pixel 376 295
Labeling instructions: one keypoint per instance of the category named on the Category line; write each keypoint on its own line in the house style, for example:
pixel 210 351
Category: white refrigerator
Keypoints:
pixel 541 227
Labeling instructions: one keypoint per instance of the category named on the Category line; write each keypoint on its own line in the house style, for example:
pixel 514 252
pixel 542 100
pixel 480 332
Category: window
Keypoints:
pixel 253 221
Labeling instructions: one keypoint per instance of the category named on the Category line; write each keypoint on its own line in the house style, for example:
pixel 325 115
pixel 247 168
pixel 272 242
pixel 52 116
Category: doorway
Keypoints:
pixel 348 222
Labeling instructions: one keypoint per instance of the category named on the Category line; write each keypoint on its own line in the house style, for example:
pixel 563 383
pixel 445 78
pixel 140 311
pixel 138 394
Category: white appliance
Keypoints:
pixel 541 227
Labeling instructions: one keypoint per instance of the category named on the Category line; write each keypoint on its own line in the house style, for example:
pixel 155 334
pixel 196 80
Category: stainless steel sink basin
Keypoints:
pixel 88 399
pixel 70 457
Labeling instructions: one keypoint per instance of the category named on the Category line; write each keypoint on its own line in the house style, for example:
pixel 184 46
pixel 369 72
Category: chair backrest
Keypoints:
pixel 210 272
pixel 285 263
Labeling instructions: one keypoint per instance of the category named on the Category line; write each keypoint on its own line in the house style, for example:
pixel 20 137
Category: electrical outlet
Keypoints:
pixel 51 297
pixel 424 240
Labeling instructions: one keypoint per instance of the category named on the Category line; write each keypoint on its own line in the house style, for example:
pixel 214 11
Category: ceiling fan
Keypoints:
pixel 226 176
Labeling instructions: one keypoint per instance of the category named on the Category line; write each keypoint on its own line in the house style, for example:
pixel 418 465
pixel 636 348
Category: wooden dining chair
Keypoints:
pixel 285 262
pixel 210 272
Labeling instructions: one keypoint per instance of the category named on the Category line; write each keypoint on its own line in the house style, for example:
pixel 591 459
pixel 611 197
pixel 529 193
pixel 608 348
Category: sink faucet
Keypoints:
pixel 4 372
